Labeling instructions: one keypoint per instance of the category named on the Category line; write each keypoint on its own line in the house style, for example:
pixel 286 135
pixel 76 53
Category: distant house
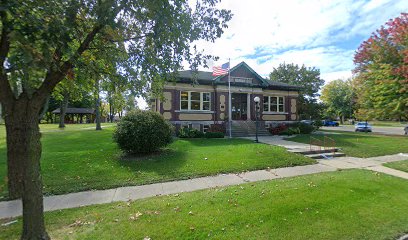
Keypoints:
pixel 76 115
pixel 199 101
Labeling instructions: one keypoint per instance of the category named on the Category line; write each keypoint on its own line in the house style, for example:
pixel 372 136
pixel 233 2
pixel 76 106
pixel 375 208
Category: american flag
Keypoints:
pixel 218 71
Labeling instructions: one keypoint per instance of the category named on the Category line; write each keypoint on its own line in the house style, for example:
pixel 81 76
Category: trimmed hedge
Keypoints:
pixel 293 128
pixel 190 133
pixel 143 132
pixel 214 135
pixel 194 133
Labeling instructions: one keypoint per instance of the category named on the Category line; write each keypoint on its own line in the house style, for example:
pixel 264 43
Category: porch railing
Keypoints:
pixel 329 144
pixel 315 144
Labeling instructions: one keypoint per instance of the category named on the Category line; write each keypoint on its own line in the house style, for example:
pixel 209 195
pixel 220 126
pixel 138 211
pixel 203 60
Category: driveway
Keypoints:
pixel 380 130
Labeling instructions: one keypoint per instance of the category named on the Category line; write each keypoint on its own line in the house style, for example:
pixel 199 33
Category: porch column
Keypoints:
pixel 249 107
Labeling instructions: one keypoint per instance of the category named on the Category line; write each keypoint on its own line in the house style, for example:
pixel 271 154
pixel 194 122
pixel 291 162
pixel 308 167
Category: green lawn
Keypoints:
pixel 400 165
pixel 82 159
pixel 362 144
pixel 353 204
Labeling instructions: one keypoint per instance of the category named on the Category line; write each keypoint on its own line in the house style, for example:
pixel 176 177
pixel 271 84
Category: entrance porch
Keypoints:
pixel 241 106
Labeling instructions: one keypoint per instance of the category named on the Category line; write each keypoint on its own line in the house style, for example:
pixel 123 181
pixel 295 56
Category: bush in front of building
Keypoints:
pixel 304 128
pixel 186 132
pixel 217 128
pixel 214 135
pixel 214 131
pixel 278 129
pixel 292 128
pixel 143 132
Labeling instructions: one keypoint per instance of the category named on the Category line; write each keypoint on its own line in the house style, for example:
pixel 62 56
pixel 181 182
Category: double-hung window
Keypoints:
pixel 195 101
pixel 273 104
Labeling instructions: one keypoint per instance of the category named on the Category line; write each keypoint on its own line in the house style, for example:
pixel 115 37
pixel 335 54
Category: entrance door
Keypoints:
pixel 239 106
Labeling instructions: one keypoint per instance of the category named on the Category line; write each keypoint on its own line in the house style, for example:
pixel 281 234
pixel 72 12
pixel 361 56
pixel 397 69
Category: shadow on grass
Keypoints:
pixel 209 142
pixel 349 139
pixel 165 162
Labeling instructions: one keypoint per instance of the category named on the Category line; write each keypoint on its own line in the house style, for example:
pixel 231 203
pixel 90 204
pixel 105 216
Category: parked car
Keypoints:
pixel 310 122
pixel 363 127
pixel 330 123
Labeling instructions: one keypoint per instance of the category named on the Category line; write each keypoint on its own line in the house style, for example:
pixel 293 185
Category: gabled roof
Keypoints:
pixel 217 79
pixel 201 75
pixel 206 78
pixel 76 111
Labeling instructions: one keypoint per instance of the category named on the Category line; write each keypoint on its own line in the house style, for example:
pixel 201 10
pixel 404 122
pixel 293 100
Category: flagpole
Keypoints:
pixel 229 98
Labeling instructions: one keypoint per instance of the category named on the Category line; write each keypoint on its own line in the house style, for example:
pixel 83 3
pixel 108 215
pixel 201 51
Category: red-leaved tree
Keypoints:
pixel 382 72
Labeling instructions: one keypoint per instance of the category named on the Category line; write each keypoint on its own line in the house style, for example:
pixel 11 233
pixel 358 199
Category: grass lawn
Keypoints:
pixel 353 204
pixel 400 165
pixel 362 144
pixel 76 160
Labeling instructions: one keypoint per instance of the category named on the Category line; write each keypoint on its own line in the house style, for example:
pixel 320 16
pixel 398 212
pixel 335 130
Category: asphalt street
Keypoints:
pixel 380 130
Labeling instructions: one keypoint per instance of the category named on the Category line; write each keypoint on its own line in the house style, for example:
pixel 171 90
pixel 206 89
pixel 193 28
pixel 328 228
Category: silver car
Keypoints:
pixel 363 127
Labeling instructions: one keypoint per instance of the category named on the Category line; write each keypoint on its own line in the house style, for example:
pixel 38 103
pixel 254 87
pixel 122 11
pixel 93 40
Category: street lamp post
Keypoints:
pixel 256 100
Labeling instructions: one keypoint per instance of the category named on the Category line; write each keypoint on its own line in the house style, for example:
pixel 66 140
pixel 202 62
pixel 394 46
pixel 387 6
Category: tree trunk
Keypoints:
pixel 110 112
pixel 63 110
pixel 23 159
pixel 97 106
pixel 44 109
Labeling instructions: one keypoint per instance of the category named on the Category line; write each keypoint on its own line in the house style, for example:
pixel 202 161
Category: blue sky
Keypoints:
pixel 318 33
pixel 322 34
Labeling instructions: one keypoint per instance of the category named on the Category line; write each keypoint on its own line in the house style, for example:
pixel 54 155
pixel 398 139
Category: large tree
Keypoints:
pixel 42 42
pixel 338 98
pixel 381 68
pixel 306 77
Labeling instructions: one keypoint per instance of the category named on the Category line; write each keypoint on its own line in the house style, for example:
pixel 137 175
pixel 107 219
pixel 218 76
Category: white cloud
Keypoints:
pixel 315 33
pixel 321 34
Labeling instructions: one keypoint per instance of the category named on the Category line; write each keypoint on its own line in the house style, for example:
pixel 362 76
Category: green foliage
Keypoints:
pixel 214 135
pixel 290 131
pixel 305 128
pixel 141 42
pixel 293 128
pixel 338 97
pixel 381 71
pixel 306 77
pixel 143 132
pixel 186 132
pixel 318 123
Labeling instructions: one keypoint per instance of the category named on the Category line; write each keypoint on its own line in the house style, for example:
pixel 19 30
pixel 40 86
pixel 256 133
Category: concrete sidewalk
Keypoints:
pixel 280 141
pixel 72 200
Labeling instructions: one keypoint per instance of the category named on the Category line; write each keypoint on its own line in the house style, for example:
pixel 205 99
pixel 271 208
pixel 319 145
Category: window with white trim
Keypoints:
pixel 195 101
pixel 273 104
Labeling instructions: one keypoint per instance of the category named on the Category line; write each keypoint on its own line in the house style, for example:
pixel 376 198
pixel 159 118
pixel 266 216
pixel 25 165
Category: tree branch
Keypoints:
pixel 130 38
pixel 53 77
pixel 5 90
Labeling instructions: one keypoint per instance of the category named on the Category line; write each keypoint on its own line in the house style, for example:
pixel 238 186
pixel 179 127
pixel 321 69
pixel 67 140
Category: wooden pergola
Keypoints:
pixel 76 115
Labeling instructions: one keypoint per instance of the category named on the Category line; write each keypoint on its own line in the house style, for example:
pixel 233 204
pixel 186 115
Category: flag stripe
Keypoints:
pixel 221 70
